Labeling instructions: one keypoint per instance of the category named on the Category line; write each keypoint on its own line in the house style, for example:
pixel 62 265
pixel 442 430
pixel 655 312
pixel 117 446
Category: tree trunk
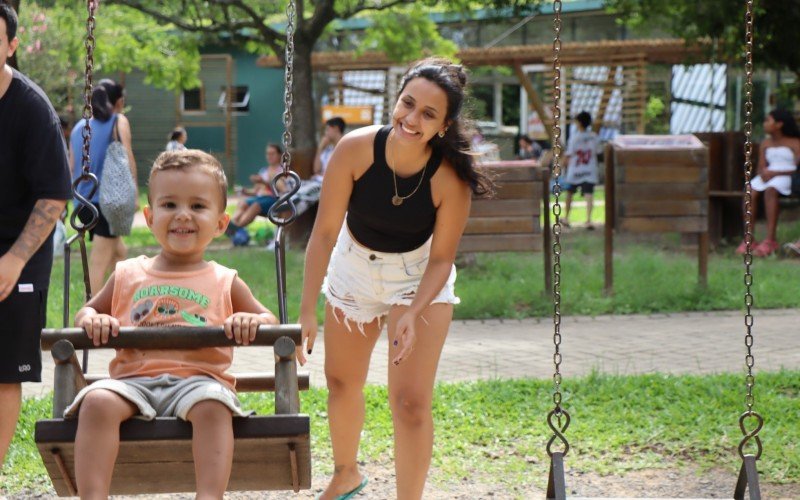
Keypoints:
pixel 304 121
pixel 12 61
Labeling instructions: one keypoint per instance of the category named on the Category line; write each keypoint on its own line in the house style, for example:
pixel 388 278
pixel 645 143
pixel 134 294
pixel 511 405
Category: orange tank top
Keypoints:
pixel 145 297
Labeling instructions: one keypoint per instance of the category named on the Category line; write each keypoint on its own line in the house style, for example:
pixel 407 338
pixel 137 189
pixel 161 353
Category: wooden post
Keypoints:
pixel 68 377
pixel 534 101
pixel 608 288
pixel 287 395
pixel 547 237
pixel 702 259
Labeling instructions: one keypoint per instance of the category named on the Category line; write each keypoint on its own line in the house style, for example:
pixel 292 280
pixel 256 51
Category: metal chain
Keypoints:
pixel 748 238
pixel 89 44
pixel 288 87
pixel 748 209
pixel 84 203
pixel 557 206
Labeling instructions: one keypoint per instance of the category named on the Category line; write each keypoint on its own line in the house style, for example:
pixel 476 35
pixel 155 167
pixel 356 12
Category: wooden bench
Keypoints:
pixel 656 184
pixel 511 221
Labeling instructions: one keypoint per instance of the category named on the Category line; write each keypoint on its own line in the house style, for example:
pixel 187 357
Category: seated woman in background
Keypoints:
pixel 777 161
pixel 261 197
pixel 177 139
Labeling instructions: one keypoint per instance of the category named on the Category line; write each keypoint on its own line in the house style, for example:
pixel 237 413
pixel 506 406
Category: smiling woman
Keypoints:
pixel 405 191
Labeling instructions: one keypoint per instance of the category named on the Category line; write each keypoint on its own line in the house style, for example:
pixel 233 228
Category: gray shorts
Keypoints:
pixel 163 396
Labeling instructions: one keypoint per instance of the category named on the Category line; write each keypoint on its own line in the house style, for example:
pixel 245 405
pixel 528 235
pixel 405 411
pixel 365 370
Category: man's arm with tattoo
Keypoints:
pixel 40 223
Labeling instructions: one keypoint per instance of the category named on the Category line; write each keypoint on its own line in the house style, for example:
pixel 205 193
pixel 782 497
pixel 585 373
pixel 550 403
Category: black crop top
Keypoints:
pixel 372 218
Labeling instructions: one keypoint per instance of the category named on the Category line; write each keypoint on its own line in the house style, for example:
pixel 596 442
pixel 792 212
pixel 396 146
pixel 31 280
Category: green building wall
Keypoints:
pixel 153 114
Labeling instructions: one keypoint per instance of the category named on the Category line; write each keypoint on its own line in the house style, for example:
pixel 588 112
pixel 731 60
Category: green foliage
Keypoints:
pixel 52 50
pixel 776 23
pixel 405 34
pixel 654 119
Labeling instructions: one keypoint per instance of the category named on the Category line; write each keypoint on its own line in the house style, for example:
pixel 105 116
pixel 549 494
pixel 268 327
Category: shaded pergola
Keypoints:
pixel 628 57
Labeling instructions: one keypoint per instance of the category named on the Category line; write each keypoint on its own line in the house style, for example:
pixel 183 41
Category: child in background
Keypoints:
pixel 581 160
pixel 177 139
pixel 177 287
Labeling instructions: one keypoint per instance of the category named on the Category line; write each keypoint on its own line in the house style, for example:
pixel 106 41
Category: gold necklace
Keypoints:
pixel 397 200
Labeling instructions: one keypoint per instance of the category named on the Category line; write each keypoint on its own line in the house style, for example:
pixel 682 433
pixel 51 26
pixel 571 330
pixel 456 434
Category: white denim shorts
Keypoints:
pixel 364 284
pixel 163 396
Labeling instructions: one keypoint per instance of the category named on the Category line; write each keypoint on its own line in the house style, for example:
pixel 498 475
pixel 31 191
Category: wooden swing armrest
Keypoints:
pixel 68 377
pixel 245 382
pixel 184 337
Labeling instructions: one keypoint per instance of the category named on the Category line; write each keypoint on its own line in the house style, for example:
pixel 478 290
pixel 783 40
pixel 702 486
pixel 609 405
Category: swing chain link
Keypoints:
pixel 288 87
pixel 558 412
pixel 284 202
pixel 748 238
pixel 84 204
pixel 748 220
pixel 89 44
pixel 557 206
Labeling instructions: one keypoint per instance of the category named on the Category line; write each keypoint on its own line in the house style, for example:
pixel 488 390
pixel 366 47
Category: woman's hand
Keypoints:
pixel 243 326
pixel 99 327
pixel 308 327
pixel 405 337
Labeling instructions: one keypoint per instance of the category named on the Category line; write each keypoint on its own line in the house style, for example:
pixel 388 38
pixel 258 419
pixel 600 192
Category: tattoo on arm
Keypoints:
pixel 41 221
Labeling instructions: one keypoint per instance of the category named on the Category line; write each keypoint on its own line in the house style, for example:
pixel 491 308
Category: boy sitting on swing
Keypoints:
pixel 177 287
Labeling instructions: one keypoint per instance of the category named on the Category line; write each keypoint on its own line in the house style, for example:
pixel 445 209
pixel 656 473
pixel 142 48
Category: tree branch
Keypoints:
pixel 362 6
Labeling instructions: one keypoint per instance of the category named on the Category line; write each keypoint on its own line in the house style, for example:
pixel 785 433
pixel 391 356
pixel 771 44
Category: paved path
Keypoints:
pixel 711 342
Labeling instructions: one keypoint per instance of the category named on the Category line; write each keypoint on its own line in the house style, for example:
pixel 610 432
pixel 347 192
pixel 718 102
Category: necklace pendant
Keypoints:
pixel 397 201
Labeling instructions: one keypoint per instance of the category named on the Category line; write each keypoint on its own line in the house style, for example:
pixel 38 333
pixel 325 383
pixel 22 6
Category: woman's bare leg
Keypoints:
pixel 246 217
pixel 411 395
pixel 347 355
pixel 772 209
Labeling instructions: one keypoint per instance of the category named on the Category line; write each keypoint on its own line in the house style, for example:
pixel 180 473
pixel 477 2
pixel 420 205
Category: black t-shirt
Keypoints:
pixel 33 166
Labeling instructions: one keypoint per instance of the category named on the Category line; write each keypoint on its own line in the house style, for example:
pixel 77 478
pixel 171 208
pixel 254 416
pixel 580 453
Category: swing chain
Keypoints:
pixel 289 84
pixel 84 203
pixel 284 201
pixel 748 238
pixel 557 206
pixel 748 220
pixel 89 43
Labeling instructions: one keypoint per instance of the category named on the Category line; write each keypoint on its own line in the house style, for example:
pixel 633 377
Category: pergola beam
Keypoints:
pixel 655 51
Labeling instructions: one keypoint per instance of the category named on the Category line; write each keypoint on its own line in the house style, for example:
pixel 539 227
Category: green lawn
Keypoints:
pixel 496 429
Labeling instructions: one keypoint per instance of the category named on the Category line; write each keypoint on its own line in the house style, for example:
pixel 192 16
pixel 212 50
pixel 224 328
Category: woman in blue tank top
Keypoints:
pixel 394 203
pixel 108 101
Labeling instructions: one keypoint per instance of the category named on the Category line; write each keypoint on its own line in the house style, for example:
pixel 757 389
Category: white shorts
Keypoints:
pixel 364 284
pixel 163 396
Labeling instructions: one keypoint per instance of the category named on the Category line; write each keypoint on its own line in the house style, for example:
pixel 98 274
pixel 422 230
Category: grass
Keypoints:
pixel 649 277
pixel 496 429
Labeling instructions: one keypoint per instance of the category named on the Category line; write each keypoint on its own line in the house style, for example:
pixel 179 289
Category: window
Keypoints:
pixel 241 99
pixel 192 100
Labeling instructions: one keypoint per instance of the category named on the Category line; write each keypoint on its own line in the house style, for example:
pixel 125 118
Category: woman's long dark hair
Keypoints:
pixel 789 128
pixel 456 143
pixel 104 97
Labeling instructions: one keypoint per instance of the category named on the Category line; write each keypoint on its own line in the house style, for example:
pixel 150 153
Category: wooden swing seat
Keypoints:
pixel 271 452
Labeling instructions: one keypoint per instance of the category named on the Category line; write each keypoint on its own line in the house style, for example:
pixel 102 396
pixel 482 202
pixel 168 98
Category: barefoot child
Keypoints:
pixel 177 287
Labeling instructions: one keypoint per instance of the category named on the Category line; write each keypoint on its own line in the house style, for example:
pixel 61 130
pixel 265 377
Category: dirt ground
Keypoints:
pixel 682 482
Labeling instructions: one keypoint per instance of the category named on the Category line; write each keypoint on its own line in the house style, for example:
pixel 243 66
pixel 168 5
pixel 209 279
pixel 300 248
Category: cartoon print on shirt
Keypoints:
pixel 140 311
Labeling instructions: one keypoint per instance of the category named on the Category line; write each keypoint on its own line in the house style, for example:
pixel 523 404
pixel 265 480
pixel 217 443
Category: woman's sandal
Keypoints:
pixel 766 248
pixel 352 493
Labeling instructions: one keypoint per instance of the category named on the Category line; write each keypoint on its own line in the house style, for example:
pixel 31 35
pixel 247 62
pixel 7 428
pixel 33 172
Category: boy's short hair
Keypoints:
pixel 187 159
pixel 9 15
pixel 584 118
